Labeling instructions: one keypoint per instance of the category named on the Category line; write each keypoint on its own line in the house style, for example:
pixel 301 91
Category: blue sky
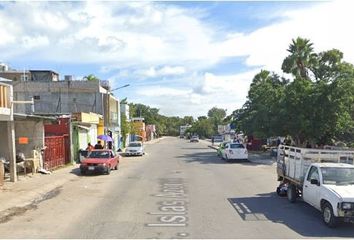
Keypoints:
pixel 181 57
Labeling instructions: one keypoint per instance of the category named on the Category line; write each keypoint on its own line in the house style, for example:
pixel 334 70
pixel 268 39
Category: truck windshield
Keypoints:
pixel 337 176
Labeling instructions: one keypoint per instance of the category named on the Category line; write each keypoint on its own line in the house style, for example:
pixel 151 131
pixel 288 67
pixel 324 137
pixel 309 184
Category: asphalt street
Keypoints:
pixel 177 190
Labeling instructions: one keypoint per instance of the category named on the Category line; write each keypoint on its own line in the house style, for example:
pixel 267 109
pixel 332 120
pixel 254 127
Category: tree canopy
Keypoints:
pixel 316 105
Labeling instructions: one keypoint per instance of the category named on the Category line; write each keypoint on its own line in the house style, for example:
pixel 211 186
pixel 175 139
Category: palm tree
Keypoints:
pixel 301 58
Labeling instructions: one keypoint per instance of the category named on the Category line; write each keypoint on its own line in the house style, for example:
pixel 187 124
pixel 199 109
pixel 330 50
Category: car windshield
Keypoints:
pixel 236 146
pixel 337 176
pixel 134 145
pixel 99 154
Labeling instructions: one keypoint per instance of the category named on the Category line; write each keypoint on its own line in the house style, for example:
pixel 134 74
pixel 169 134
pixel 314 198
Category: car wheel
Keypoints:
pixel 108 170
pixel 291 193
pixel 328 217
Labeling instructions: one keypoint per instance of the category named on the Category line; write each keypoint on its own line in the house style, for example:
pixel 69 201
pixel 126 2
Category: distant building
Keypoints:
pixel 150 132
pixel 182 129
pixel 139 129
pixel 29 75
pixel 44 76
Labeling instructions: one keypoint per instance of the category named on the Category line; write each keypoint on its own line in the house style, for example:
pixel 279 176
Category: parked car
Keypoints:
pixel 135 149
pixel 100 160
pixel 234 151
pixel 194 139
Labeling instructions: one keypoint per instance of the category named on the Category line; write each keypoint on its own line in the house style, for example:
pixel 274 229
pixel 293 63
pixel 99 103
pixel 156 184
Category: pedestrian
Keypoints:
pixel 89 147
pixel 212 141
pixel 98 145
pixel 308 145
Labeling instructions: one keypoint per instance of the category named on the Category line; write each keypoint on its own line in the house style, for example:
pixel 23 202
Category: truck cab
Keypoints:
pixel 329 187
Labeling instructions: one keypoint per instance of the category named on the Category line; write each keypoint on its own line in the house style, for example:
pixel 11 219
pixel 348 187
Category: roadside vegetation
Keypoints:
pixel 312 101
pixel 316 102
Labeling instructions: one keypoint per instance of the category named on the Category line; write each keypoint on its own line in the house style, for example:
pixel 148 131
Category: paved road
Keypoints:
pixel 178 190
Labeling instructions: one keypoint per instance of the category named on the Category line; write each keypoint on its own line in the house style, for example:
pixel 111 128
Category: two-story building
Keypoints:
pixel 56 98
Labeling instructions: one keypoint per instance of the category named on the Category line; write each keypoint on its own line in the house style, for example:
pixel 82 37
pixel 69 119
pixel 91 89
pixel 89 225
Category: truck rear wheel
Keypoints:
pixel 328 217
pixel 291 193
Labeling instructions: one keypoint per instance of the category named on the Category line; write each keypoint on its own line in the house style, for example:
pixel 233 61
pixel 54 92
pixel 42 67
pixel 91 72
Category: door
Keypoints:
pixel 311 192
pixel 54 154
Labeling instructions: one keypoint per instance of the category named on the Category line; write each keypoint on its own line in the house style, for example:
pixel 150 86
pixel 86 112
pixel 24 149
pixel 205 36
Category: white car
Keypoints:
pixel 135 149
pixel 234 151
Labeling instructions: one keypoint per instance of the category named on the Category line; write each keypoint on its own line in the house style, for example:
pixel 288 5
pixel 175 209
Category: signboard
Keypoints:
pixel 23 140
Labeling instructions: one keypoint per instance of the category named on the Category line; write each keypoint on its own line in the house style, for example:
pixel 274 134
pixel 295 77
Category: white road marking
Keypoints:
pixel 238 208
pixel 245 207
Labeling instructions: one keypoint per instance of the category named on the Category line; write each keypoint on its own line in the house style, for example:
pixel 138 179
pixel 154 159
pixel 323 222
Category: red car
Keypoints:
pixel 102 160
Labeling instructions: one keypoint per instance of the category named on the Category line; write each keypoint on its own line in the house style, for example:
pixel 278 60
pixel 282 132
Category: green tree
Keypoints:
pixel 216 116
pixel 91 77
pixel 261 114
pixel 125 128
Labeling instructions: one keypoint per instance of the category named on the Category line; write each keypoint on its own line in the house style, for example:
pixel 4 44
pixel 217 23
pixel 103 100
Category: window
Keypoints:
pixel 337 175
pixel 37 97
pixel 313 174
pixel 237 146
pixel 99 154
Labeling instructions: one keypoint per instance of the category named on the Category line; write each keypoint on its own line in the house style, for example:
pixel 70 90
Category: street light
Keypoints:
pixel 109 92
pixel 126 85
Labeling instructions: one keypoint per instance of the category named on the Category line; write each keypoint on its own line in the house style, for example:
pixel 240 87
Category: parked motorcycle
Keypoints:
pixel 20 157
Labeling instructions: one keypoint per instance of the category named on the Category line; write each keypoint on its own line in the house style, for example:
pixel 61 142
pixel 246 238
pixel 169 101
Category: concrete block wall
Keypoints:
pixel 34 130
pixel 59 97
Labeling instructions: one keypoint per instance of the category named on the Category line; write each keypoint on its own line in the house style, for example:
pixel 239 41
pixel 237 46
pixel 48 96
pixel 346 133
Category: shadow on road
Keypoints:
pixel 212 158
pixel 207 156
pixel 300 217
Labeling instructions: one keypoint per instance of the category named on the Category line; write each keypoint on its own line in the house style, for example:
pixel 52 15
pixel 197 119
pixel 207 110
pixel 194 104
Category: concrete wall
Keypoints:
pixel 59 97
pixel 4 146
pixel 34 130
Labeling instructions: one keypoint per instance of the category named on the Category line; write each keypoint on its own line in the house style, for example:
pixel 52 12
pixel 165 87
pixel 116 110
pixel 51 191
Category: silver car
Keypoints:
pixel 135 149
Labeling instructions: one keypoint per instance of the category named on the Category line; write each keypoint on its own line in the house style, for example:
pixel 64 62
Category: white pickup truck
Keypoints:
pixel 323 178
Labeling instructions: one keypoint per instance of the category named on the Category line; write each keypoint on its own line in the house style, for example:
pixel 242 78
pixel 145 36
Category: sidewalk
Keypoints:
pixel 31 189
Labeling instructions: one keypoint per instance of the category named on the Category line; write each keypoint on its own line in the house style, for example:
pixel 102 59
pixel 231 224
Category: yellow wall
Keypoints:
pixel 100 127
pixel 140 127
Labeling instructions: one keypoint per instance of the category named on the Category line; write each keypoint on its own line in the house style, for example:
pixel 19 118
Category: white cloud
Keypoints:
pixel 161 71
pixel 224 91
pixel 159 91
